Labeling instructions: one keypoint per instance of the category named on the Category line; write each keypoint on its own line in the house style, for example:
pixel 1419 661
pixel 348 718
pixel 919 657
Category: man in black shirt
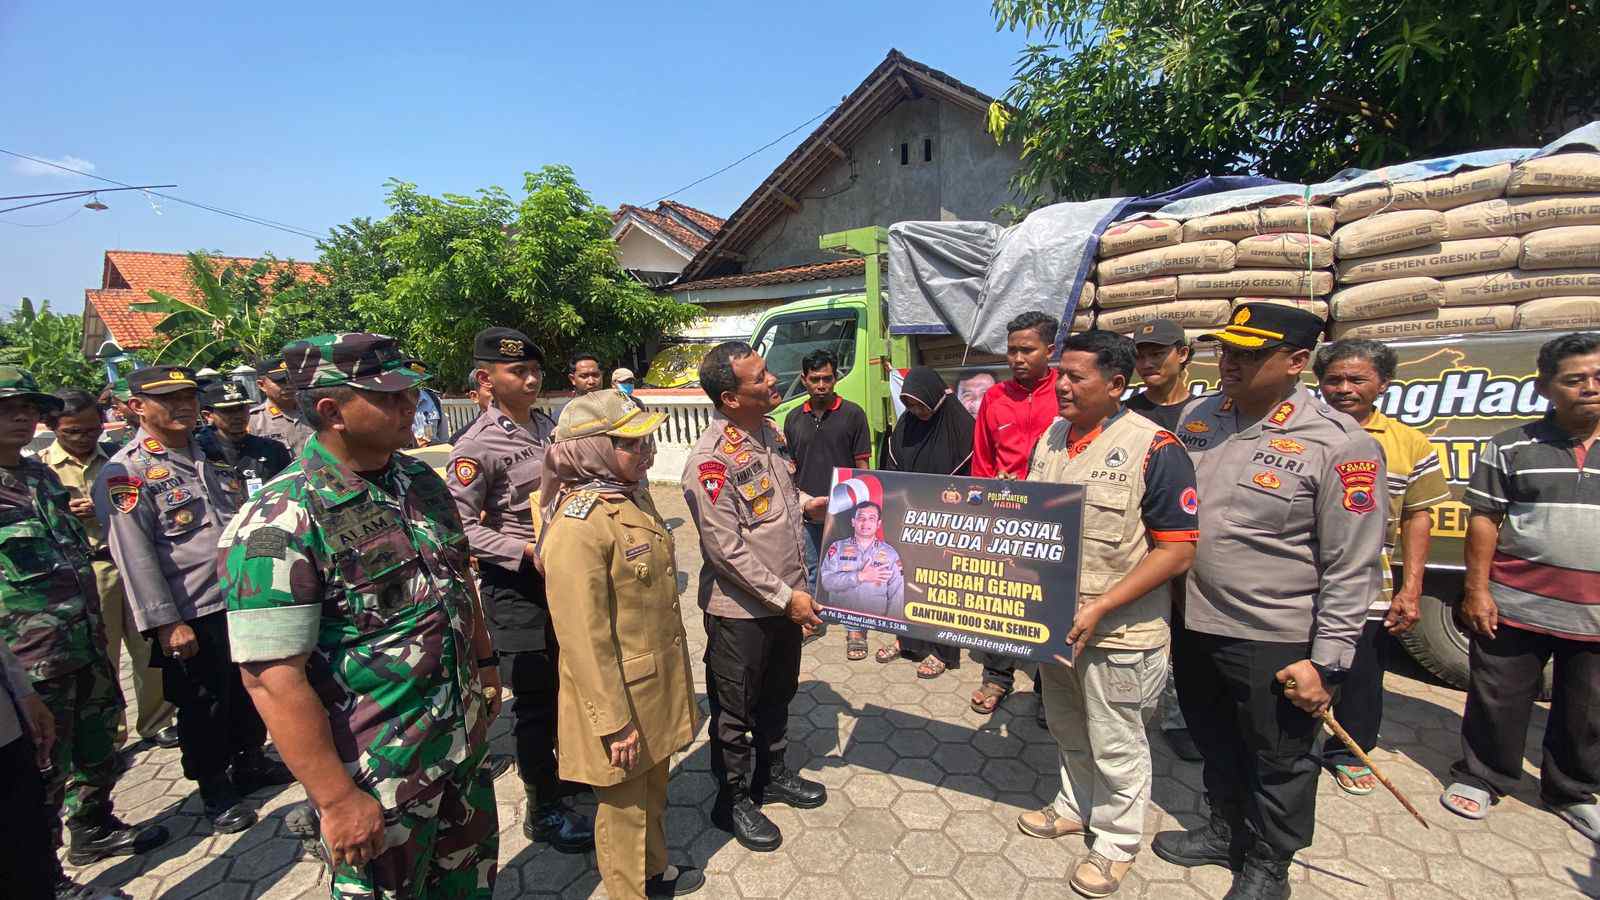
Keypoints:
pixel 227 412
pixel 1162 362
pixel 826 431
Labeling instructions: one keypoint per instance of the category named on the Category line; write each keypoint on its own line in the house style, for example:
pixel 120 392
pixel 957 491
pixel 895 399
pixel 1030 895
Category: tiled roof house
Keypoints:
pixel 655 244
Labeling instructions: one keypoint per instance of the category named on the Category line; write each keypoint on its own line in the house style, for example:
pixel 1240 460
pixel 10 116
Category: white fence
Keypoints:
pixel 688 414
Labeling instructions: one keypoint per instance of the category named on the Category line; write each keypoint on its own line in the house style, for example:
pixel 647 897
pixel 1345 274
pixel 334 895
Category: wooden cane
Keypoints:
pixel 1350 742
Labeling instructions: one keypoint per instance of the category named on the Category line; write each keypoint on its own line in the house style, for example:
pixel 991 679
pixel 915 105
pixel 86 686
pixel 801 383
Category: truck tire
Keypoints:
pixel 1438 644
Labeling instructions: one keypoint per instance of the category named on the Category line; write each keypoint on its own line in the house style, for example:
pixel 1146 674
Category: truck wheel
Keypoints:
pixel 1437 643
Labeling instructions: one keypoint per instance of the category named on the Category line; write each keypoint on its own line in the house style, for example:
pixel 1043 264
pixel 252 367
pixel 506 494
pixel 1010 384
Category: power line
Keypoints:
pixel 243 217
pixel 59 196
pixel 741 159
pixel 43 224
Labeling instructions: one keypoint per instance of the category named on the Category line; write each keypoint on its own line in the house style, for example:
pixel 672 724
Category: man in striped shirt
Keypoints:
pixel 1533 592
pixel 1352 375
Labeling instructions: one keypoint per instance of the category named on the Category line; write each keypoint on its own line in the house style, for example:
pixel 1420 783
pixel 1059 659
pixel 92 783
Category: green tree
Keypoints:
pixel 243 313
pixel 451 265
pixel 47 344
pixel 355 273
pixel 1135 96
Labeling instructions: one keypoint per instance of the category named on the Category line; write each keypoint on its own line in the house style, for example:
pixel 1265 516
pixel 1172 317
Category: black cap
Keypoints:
pixel 222 394
pixel 162 380
pixel 1159 331
pixel 272 367
pixel 505 345
pixel 1257 326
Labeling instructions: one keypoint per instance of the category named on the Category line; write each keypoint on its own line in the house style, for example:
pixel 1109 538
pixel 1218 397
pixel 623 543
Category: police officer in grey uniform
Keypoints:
pixel 495 466
pixel 278 416
pixel 1292 509
pixel 164 503
pixel 862 573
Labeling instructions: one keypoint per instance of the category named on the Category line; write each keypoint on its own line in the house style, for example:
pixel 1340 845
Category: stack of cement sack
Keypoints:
pixel 1194 272
pixel 1515 245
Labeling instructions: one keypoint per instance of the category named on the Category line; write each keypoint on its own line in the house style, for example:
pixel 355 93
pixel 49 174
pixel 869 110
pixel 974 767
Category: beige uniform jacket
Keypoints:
pixel 613 588
pixel 741 492
pixel 288 429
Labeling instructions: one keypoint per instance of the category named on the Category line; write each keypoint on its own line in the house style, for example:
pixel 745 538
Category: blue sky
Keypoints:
pixel 299 114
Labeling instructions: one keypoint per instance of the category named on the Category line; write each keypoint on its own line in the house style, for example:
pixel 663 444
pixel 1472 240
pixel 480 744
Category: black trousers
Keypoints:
pixel 1501 689
pixel 752 673
pixel 1256 744
pixel 1002 670
pixel 28 865
pixel 1360 706
pixel 529 658
pixel 216 720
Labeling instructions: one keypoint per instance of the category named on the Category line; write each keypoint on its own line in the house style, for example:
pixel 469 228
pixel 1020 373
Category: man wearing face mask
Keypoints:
pixel 278 416
pixel 227 411
pixel 494 468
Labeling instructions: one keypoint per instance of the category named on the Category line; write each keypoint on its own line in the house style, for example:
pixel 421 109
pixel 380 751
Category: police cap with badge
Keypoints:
pixel 224 394
pixel 159 380
pixel 1264 326
pixel 273 367
pixel 505 345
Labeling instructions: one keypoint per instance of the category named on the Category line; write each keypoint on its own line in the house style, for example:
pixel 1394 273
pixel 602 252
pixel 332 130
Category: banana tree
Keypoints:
pixel 241 313
pixel 47 344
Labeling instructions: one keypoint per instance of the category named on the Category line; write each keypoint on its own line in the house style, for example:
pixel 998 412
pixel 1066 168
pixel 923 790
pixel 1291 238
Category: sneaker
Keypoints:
pixel 1097 876
pixel 1047 823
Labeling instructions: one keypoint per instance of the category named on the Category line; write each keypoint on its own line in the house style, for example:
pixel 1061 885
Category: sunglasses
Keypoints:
pixel 1250 357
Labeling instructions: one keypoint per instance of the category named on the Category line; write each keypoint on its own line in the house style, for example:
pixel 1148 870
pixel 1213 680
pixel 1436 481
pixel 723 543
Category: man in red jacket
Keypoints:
pixel 1010 421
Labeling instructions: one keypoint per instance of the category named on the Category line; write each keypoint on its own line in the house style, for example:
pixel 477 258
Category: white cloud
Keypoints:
pixel 31 169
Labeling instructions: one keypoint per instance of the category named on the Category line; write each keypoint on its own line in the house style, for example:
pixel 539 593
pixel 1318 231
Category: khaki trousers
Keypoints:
pixel 630 836
pixel 1097 709
pixel 154 712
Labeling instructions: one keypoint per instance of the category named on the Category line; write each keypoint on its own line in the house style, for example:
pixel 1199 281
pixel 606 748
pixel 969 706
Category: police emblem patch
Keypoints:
pixel 1189 501
pixel 1196 427
pixel 183 517
pixel 1267 480
pixel 177 497
pixel 742 458
pixel 156 473
pixel 124 492
pixel 1360 479
pixel 151 445
pixel 465 469
pixel 712 477
pixel 1287 445
pixel 761 505
pixel 1116 457
pixel 510 347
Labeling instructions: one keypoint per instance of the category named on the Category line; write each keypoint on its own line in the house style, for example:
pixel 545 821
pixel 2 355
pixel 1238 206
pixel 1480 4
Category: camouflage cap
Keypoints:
pixel 15 382
pixel 609 412
pixel 356 359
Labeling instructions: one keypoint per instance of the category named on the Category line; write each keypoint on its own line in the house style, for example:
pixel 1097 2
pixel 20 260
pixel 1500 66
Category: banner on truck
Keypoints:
pixel 981 563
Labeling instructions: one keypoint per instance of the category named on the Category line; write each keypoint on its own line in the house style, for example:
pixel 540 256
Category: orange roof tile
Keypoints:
pixel 814 272
pixel 131 330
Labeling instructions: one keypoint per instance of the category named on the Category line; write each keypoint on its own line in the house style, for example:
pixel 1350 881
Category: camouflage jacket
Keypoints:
pixel 370 580
pixel 49 606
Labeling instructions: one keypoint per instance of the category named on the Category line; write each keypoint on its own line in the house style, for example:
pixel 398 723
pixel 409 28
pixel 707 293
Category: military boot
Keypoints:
pixel 553 823
pixel 103 836
pixel 1216 844
pixel 228 813
pixel 1265 875
pixel 784 785
pixel 737 813
pixel 253 770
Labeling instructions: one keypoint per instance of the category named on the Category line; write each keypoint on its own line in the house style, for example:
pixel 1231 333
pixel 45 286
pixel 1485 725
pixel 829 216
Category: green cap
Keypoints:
pixel 357 359
pixel 609 412
pixel 15 382
pixel 120 390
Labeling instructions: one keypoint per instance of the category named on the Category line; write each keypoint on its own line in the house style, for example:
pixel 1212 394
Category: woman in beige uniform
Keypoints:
pixel 627 696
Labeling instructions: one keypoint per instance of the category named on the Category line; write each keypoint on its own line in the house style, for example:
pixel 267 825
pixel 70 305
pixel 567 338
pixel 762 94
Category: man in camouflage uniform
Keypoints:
pixel 50 617
pixel 350 611
pixel 278 416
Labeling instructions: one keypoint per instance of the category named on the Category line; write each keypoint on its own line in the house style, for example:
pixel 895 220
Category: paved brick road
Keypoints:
pixel 924 795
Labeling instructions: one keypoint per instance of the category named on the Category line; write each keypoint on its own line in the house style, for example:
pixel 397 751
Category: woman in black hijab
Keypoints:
pixel 933 437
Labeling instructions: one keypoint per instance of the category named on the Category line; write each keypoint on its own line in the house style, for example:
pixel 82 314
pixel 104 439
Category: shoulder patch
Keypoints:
pixel 1360 479
pixel 151 445
pixel 580 506
pixel 509 426
pixel 1282 413
pixel 465 470
pixel 267 542
pixel 124 492
pixel 712 476
pixel 1189 501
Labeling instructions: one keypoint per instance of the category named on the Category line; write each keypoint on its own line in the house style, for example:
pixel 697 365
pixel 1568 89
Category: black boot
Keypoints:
pixel 228 814
pixel 554 823
pixel 1217 844
pixel 105 836
pixel 254 770
pixel 1265 875
pixel 783 785
pixel 735 812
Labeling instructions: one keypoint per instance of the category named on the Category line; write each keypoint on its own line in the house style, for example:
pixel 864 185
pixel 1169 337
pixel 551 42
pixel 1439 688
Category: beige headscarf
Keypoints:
pixel 583 464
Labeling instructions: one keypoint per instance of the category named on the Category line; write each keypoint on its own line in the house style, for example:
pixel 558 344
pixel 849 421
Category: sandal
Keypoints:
pixel 1460 791
pixel 986 699
pixel 932 667
pixel 855 645
pixel 1583 817
pixel 888 654
pixel 1347 782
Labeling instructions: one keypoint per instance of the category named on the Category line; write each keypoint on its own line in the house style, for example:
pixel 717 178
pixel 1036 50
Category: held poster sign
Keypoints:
pixel 980 563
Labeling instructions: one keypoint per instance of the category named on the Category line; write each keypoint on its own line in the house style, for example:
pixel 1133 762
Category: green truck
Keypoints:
pixel 1458 390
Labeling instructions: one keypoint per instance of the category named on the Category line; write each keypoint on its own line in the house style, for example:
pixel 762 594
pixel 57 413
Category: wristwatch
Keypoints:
pixel 1331 677
pixel 493 659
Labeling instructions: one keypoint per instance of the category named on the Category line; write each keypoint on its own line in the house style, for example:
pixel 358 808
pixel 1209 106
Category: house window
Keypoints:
pixel 927 150
pixel 905 154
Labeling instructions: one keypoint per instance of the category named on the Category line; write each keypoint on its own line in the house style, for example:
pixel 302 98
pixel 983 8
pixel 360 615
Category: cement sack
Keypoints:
pixel 1318 308
pixel 1186 313
pixel 1516 285
pixel 1559 173
pixel 1562 248
pixel 1140 234
pixel 1086 295
pixel 1381 299
pixel 1447 192
pixel 1520 215
pixel 1436 260
pixel 1201 256
pixel 1284 251
pixel 1564 313
pixel 1133 293
pixel 1082 322
pixel 1465 320
pixel 1256 282
pixel 1389 232
pixel 1262 220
